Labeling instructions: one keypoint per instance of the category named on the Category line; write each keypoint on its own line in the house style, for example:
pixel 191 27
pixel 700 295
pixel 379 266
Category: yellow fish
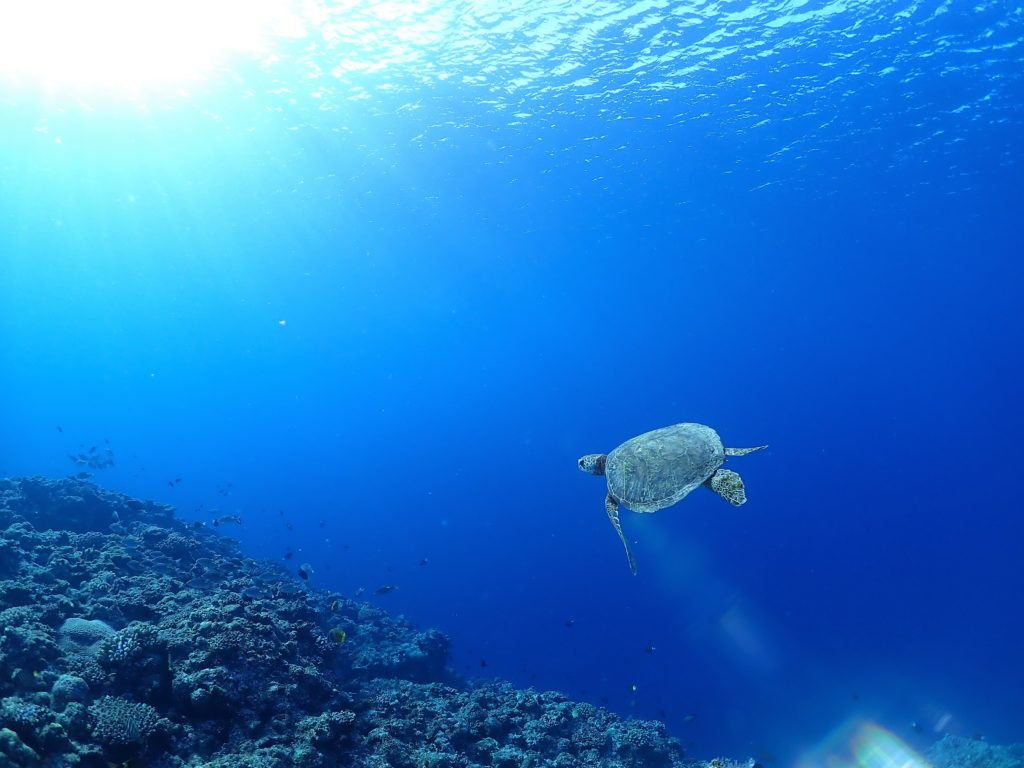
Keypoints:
pixel 337 635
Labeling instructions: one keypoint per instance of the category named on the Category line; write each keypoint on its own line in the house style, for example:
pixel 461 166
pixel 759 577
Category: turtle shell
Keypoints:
pixel 658 468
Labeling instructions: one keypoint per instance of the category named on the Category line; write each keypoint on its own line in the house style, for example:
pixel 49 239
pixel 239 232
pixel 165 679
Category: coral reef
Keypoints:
pixel 130 637
pixel 957 752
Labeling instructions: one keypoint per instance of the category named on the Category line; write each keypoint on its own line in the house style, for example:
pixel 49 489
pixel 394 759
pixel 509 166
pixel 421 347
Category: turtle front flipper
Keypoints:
pixel 743 451
pixel 612 508
pixel 729 486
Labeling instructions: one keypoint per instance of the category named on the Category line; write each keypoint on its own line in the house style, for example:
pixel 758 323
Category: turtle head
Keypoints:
pixel 729 486
pixel 593 463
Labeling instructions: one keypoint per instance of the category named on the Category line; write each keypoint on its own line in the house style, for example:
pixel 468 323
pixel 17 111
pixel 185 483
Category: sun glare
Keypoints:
pixel 108 45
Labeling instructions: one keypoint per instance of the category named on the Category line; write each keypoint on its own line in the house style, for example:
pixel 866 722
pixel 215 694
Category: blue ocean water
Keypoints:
pixel 376 277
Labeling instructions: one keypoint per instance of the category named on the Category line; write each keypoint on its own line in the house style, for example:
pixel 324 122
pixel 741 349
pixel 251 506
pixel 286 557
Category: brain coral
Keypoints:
pixel 77 634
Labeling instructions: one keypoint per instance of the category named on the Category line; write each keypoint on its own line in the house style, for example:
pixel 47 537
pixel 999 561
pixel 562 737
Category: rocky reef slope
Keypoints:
pixel 129 637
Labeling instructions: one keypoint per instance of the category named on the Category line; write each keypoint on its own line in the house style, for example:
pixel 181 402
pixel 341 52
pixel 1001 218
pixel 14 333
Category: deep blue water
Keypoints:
pixel 391 274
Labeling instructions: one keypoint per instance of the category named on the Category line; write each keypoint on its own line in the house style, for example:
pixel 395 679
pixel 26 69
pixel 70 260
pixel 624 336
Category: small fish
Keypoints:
pixel 689 718
pixel 83 476
pixel 60 428
pixel 569 622
pixel 93 449
pixel 383 589
pixel 289 555
pixel 360 591
pixel 424 561
pixel 483 662
pixel 170 483
pixel 632 688
pixel 289 526
pixel 305 571
pixel 337 635
pixel 228 519
pixel 323 524
pixel 650 649
pixel 334 606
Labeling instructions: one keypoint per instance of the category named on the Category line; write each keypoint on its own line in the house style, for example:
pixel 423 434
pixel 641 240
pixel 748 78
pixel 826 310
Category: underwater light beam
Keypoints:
pixel 117 45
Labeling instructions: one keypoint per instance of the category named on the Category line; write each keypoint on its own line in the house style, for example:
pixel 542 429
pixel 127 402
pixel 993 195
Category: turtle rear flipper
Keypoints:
pixel 729 486
pixel 743 451
pixel 612 508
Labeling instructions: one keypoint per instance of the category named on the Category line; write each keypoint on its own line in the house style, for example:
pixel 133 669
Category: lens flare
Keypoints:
pixel 858 743
pixel 875 747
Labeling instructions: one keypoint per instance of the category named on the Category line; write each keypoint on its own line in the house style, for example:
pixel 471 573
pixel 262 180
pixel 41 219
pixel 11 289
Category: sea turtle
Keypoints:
pixel 658 468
